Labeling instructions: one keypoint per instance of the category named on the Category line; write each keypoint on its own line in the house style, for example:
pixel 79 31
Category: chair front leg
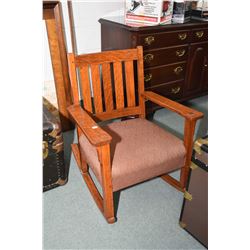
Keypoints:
pixel 108 200
pixel 188 143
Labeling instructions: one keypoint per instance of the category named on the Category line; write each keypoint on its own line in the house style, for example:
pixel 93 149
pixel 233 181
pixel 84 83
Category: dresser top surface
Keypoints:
pixel 120 21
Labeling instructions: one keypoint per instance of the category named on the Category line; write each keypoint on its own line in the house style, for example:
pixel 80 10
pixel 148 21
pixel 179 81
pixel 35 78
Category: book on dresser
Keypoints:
pixel 175 55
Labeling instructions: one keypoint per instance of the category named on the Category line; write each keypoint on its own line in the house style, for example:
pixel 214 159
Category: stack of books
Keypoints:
pixel 140 13
pixel 148 12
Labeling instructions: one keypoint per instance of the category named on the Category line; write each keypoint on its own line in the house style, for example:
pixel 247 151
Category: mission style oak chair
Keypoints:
pixel 130 151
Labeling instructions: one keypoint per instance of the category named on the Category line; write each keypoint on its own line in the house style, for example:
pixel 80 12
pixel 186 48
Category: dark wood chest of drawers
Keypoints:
pixel 175 55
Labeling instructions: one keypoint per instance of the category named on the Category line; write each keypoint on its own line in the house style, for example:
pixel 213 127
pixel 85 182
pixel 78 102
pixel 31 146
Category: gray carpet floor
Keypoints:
pixel 148 213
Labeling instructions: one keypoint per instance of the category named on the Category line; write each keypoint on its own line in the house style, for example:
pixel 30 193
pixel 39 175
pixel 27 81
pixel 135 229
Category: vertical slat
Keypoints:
pixel 130 85
pixel 118 85
pixel 96 88
pixel 107 87
pixel 85 84
pixel 141 81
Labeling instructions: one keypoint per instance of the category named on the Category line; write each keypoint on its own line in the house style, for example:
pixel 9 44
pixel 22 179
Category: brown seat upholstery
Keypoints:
pixel 139 150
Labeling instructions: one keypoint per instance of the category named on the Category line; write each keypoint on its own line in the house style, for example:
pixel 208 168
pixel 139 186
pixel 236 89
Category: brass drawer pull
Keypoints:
pixel 148 77
pixel 175 90
pixel 148 40
pixel 182 36
pixel 199 34
pixel 180 52
pixel 148 58
pixel 178 70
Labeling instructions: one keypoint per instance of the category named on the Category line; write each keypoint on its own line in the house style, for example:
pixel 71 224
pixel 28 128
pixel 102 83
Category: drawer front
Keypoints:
pixel 171 90
pixel 164 39
pixel 163 74
pixel 165 56
pixel 199 35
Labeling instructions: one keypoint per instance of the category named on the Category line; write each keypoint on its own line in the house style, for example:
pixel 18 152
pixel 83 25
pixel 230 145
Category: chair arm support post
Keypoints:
pixel 191 116
pixel 95 134
pixel 188 143
pixel 107 187
pixel 186 112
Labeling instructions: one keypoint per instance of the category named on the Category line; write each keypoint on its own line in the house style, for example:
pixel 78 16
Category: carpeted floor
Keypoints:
pixel 148 213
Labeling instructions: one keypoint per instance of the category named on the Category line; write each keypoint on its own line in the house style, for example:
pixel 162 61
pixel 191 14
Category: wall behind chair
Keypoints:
pixel 87 27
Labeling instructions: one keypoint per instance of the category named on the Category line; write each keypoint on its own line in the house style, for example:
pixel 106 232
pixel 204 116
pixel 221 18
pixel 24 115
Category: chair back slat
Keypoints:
pixel 119 92
pixel 114 86
pixel 130 84
pixel 97 91
pixel 85 86
pixel 107 87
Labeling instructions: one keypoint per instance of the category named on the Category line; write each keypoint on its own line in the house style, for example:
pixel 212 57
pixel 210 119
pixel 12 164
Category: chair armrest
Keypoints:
pixel 176 107
pixel 95 134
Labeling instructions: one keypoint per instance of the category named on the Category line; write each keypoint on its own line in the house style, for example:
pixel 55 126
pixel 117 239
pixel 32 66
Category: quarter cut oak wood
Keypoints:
pixel 52 15
pixel 164 102
pixel 84 72
pixel 105 57
pixel 114 96
pixel 96 135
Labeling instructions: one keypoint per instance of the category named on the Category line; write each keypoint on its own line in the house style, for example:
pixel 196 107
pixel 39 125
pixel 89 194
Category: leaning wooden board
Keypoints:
pixel 194 213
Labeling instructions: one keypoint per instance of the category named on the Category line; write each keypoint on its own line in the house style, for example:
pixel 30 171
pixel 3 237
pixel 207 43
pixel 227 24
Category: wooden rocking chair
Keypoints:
pixel 130 151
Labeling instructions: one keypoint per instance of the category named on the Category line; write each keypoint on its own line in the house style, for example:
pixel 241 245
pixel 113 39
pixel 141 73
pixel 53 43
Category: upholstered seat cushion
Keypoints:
pixel 140 150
